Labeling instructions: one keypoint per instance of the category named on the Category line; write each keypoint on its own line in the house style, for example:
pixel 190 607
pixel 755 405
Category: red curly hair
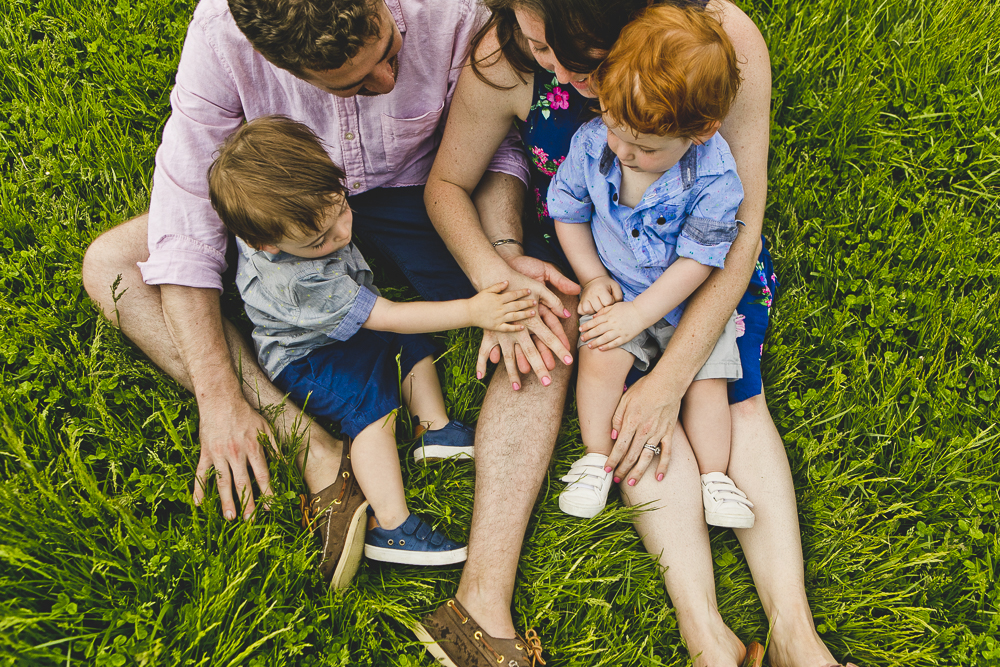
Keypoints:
pixel 673 72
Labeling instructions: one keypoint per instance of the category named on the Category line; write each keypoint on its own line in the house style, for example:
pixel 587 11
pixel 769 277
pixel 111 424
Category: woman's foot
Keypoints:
pixel 713 646
pixel 795 643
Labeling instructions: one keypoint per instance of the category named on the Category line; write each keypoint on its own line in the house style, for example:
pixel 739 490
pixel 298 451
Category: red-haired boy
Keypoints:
pixel 645 204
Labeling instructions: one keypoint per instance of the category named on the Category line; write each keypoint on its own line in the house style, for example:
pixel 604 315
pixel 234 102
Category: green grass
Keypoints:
pixel 881 372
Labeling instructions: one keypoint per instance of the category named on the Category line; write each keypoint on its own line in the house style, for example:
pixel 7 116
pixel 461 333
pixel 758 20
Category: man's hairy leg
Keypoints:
pixel 773 547
pixel 515 437
pixel 140 312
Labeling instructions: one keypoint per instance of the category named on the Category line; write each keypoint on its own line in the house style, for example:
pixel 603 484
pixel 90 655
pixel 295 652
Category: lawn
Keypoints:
pixel 880 369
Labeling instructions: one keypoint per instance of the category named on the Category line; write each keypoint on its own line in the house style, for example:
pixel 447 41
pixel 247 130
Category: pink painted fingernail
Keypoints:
pixel 608 469
pixel 565 313
pixel 479 376
pixel 516 386
pixel 659 478
pixel 568 359
pixel 631 482
pixel 614 434
pixel 230 516
pixel 617 479
pixel 546 382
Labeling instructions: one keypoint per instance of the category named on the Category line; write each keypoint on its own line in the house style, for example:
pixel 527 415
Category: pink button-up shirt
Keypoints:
pixel 381 141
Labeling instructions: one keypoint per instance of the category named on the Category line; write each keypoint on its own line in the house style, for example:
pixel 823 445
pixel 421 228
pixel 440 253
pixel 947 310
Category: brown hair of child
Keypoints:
pixel 672 72
pixel 272 179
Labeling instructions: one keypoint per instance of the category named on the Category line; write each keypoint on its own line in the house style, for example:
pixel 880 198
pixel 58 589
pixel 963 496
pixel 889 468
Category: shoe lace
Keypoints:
pixel 534 647
pixel 726 491
pixel 308 508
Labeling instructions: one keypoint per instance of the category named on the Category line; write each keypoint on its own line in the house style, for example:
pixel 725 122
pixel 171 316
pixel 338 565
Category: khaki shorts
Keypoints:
pixel 724 361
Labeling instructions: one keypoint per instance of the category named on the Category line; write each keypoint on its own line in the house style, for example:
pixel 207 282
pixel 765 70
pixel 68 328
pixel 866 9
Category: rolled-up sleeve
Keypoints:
pixel 187 240
pixel 710 228
pixel 568 198
pixel 333 303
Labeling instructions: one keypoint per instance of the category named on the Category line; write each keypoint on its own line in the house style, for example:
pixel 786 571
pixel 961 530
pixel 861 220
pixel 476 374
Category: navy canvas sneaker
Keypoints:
pixel 413 542
pixel 455 440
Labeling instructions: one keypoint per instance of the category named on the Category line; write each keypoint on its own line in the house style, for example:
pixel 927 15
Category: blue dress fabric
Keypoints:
pixel 556 113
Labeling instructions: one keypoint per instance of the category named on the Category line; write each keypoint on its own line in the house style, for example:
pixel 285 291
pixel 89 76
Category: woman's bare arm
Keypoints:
pixel 648 411
pixel 479 119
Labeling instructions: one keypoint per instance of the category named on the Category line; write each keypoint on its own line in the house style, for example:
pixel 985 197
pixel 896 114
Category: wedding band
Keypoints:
pixel 652 448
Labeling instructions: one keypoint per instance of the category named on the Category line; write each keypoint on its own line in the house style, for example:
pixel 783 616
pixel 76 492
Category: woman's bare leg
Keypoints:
pixel 773 547
pixel 676 530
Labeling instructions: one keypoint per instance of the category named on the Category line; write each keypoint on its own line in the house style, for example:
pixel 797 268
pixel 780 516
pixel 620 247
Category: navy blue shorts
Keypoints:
pixel 356 381
pixel 391 224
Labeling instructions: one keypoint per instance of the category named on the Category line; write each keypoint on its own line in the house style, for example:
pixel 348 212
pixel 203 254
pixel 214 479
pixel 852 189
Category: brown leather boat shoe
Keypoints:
pixel 456 640
pixel 337 515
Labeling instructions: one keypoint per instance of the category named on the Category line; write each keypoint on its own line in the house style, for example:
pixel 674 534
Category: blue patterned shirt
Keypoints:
pixel 689 211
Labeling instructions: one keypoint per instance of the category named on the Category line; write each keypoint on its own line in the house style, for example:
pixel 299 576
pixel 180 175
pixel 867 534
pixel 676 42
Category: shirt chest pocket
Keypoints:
pixel 662 225
pixel 408 139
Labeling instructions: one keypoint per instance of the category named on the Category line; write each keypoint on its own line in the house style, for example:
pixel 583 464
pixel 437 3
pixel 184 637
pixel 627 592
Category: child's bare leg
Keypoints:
pixel 422 394
pixel 705 413
pixel 376 465
pixel 598 390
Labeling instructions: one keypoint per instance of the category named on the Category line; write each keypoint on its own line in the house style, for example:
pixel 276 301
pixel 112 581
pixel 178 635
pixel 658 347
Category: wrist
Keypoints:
pixel 490 271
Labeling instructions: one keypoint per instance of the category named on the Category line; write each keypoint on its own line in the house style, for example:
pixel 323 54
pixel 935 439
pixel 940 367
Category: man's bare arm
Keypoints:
pixel 228 425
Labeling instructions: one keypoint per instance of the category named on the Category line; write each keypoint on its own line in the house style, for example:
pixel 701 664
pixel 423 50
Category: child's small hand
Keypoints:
pixel 598 293
pixel 612 326
pixel 495 309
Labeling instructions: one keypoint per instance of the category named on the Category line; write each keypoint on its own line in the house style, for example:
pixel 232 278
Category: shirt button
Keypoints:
pixel 357 185
pixel 349 136
pixel 614 197
pixel 635 233
pixel 661 220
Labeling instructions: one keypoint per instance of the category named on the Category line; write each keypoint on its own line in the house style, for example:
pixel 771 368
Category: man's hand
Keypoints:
pixel 646 413
pixel 497 310
pixel 229 433
pixel 613 326
pixel 598 293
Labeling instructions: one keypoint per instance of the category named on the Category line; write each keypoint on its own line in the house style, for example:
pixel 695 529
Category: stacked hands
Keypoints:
pixel 647 411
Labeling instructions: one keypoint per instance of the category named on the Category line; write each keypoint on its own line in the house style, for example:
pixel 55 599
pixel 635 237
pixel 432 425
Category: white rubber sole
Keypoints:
pixel 431 645
pixel 728 521
pixel 584 511
pixel 350 557
pixel 432 453
pixel 401 557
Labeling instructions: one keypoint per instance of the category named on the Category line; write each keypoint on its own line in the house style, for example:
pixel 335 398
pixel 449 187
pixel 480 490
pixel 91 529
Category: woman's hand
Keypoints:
pixel 598 293
pixel 647 413
pixel 613 326
pixel 497 310
pixel 533 348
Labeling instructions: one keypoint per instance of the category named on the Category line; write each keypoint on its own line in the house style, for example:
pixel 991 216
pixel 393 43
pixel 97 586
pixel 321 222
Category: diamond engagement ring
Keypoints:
pixel 652 448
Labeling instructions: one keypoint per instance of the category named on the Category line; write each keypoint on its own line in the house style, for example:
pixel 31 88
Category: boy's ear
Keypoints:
pixel 708 134
pixel 274 250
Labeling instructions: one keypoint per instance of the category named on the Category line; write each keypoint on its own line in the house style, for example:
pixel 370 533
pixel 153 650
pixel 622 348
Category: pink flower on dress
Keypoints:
pixel 741 325
pixel 558 98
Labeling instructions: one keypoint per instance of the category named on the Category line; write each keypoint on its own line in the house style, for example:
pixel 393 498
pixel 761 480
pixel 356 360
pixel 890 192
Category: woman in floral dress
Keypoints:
pixel 532 73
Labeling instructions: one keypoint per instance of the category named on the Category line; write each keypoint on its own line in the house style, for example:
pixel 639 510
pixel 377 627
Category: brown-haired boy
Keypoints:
pixel 325 336
pixel 645 204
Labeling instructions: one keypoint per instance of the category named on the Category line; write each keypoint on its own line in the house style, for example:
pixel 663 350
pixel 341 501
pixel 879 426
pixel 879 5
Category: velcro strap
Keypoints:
pixel 423 531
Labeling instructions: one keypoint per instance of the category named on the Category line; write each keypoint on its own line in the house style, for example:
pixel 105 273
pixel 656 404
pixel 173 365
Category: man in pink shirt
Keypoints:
pixel 374 79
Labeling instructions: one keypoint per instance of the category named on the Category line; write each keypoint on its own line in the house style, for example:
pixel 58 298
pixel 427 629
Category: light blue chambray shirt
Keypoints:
pixel 690 211
pixel 298 304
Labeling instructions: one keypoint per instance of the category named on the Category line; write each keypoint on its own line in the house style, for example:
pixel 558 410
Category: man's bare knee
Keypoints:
pixel 114 253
